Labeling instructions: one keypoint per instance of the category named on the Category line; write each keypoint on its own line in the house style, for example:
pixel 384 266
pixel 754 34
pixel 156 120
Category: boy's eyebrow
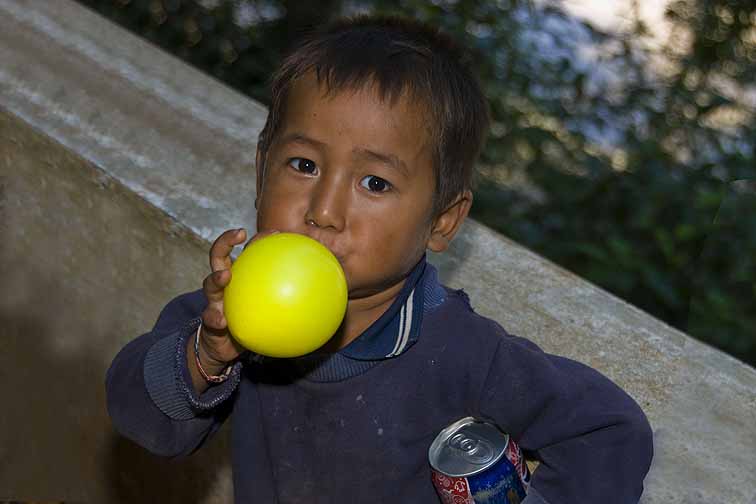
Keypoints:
pixel 301 139
pixel 387 159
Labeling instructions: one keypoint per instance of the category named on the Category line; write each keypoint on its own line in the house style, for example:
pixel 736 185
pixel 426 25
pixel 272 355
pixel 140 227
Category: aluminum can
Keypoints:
pixel 473 462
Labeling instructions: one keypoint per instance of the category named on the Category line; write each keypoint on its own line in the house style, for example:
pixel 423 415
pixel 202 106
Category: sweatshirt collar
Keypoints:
pixel 399 327
pixel 389 336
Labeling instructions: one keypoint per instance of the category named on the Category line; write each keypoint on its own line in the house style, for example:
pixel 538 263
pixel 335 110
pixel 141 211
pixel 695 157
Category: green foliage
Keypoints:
pixel 633 176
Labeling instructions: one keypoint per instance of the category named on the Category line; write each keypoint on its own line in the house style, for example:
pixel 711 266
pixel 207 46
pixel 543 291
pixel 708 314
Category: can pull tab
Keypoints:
pixel 476 451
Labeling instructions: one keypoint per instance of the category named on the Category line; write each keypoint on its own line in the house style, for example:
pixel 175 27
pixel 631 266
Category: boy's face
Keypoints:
pixel 356 174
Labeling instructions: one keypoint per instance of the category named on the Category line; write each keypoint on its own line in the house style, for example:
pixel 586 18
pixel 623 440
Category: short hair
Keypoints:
pixel 401 57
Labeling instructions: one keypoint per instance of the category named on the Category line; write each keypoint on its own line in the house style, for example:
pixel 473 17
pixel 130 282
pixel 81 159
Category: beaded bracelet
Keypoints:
pixel 209 378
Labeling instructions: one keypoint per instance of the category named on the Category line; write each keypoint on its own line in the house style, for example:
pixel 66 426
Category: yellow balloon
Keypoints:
pixel 287 296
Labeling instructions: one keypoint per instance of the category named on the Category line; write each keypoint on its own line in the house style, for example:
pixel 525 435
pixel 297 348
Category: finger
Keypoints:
pixel 214 284
pixel 214 322
pixel 260 235
pixel 220 252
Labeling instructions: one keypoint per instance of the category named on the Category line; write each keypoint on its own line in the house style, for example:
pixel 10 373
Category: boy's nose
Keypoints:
pixel 328 205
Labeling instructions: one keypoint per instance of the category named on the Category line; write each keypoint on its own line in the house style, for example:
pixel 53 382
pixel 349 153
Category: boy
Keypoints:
pixel 372 134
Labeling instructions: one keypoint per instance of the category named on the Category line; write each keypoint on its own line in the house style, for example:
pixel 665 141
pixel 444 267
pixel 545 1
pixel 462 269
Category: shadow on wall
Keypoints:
pixel 59 436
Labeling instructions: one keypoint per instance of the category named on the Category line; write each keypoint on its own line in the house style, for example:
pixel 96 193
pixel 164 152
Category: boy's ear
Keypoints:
pixel 447 223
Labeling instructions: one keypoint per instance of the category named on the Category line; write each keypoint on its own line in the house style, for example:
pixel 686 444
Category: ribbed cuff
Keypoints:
pixel 169 382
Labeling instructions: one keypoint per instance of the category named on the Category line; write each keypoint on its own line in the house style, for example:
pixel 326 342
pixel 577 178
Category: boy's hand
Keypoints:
pixel 216 343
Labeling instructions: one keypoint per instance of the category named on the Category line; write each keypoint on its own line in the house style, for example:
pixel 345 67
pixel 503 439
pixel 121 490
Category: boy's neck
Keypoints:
pixel 360 314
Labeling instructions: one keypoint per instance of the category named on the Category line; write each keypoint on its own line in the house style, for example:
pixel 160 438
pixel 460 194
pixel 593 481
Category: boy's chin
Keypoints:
pixel 364 290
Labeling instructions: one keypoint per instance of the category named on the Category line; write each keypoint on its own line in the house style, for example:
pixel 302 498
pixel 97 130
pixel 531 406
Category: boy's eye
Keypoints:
pixel 375 184
pixel 303 165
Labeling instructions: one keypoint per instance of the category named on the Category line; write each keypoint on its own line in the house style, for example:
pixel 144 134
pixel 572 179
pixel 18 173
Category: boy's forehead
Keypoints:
pixel 311 92
pixel 307 97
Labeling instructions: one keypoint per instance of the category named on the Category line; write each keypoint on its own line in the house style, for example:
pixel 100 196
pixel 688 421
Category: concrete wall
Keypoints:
pixel 86 264
pixel 118 164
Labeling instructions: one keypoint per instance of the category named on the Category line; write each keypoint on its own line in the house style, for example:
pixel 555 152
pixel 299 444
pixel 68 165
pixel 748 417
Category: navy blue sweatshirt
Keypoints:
pixel 355 426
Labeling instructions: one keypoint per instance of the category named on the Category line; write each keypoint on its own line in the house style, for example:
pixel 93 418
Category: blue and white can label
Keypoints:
pixel 473 462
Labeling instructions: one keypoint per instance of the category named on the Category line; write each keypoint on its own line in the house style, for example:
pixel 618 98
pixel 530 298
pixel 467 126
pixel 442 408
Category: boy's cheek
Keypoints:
pixel 277 214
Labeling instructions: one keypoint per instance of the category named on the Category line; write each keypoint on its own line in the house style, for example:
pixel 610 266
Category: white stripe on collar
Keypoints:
pixel 405 324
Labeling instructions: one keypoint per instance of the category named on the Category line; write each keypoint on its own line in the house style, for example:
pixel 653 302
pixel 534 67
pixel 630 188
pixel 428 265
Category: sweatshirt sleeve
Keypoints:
pixel 592 439
pixel 150 397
